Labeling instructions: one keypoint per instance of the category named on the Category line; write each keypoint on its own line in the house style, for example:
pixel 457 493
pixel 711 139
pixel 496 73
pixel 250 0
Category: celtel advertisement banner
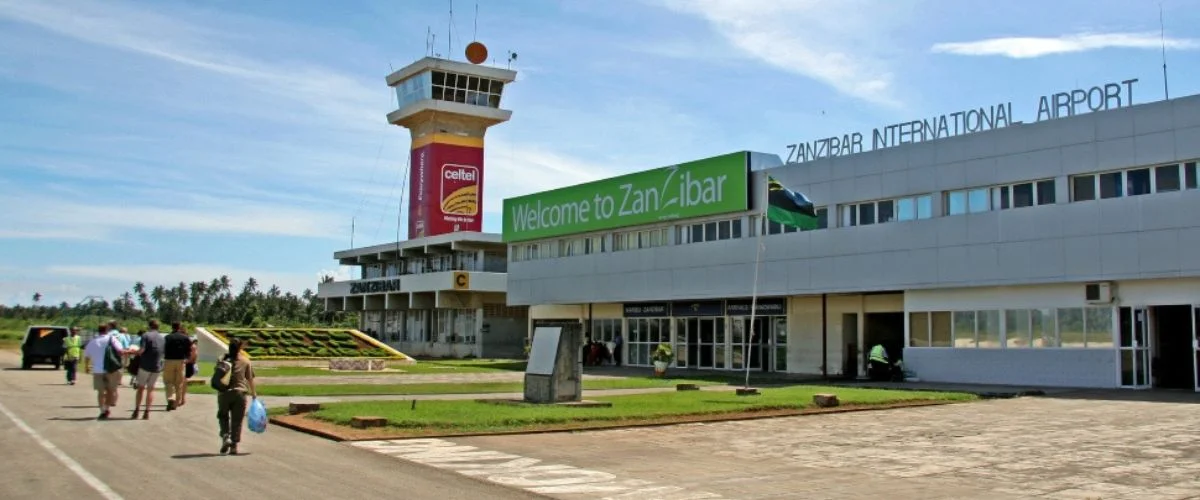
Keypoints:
pixel 695 189
pixel 446 186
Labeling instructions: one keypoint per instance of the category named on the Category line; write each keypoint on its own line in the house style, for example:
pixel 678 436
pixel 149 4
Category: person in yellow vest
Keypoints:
pixel 879 369
pixel 72 350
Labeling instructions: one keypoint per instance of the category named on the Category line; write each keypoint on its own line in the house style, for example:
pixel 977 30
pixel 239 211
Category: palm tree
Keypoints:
pixel 144 299
pixel 159 295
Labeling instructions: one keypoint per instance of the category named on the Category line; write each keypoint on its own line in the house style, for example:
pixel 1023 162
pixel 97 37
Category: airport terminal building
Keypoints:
pixel 437 296
pixel 1060 252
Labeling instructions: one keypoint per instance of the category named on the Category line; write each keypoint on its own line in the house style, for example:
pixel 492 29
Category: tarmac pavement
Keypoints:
pixel 52 446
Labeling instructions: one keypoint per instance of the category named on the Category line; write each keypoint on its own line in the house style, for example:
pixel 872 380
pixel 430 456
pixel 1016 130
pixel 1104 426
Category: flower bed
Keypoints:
pixel 305 343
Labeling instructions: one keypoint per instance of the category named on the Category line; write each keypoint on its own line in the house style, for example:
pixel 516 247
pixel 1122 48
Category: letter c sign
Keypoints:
pixel 462 280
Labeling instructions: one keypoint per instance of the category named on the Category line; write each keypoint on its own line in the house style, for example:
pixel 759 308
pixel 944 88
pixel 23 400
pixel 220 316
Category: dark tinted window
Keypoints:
pixel 886 209
pixel 1084 187
pixel 866 214
pixel 1110 185
pixel 1138 182
pixel 1166 178
pixel 1045 192
pixel 1022 195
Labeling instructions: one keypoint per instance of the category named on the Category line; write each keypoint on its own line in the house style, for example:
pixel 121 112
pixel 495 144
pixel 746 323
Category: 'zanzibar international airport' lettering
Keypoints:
pixel 1059 105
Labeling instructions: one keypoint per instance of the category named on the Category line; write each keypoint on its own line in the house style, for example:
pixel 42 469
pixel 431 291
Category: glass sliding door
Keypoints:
pixel 1134 347
pixel 1196 344
pixel 767 343
pixel 779 344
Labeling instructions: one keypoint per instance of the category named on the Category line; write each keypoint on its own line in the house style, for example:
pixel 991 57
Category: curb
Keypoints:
pixel 307 430
pixel 699 419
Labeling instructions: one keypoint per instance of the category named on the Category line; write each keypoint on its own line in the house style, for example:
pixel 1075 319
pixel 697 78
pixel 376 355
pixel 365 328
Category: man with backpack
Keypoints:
pixel 176 351
pixel 107 357
pixel 150 364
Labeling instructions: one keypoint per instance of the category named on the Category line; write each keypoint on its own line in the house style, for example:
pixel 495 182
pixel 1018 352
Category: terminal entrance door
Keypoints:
pixel 700 338
pixel 1134 349
pixel 1196 344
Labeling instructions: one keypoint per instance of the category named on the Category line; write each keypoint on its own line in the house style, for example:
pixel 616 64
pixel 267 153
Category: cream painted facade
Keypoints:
pixel 846 316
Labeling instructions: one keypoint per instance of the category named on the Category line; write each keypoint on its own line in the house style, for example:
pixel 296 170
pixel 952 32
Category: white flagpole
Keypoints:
pixel 762 228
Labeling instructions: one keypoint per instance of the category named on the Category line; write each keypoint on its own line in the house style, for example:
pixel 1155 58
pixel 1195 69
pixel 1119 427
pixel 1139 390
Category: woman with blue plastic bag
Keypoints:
pixel 231 402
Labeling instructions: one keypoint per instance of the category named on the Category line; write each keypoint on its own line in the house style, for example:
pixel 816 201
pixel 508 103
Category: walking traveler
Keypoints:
pixel 105 354
pixel 234 378
pixel 150 365
pixel 176 351
pixel 73 350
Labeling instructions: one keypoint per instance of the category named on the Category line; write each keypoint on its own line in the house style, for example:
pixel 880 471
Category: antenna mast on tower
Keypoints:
pixel 1162 33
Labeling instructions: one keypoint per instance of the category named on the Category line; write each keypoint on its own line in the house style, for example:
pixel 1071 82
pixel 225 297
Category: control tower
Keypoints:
pixel 448 106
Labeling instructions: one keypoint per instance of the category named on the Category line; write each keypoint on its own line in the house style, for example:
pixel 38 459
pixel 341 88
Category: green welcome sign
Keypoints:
pixel 695 189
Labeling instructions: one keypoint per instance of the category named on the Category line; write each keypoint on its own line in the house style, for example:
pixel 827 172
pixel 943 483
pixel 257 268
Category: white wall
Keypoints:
pixel 1045 367
pixel 1125 293
pixel 1034 367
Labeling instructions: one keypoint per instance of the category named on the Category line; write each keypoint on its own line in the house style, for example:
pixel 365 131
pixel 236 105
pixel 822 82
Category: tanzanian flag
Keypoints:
pixel 788 207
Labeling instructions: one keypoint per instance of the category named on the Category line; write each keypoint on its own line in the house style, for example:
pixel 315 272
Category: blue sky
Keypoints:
pixel 177 140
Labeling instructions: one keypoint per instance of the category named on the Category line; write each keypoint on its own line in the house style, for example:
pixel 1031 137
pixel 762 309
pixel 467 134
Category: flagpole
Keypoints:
pixel 762 219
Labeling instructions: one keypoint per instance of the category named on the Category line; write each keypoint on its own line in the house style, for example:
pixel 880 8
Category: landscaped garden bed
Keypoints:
pixel 440 418
pixel 305 343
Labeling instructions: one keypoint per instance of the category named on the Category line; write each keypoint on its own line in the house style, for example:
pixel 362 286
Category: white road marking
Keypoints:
pixel 71 464
pixel 526 473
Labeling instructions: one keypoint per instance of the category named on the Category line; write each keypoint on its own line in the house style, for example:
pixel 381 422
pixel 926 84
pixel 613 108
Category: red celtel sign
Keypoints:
pixel 447 190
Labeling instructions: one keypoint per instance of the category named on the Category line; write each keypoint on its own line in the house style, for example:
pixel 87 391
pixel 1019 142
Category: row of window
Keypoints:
pixel 709 231
pixel 455 261
pixel 450 326
pixel 644 238
pixel 1025 194
pixel 708 342
pixel 881 211
pixel 1129 182
pixel 1134 182
pixel 1073 327
pixel 453 87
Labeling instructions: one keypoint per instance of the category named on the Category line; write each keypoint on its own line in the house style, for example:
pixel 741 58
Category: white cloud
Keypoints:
pixel 813 38
pixel 1031 47
pixel 351 101
pixel 45 216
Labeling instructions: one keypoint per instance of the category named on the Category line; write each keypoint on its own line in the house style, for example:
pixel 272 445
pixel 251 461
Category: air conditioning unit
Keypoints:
pixel 1098 293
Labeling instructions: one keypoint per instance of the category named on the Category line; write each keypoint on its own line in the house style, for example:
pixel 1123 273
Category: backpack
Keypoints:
pixel 222 373
pixel 112 358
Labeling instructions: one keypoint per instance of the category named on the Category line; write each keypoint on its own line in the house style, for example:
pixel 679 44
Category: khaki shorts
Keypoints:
pixel 147 379
pixel 106 381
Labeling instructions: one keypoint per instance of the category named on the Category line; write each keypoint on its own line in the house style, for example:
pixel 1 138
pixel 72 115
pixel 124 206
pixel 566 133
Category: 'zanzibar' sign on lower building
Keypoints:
pixel 379 286
pixel 695 189
pixel 1051 106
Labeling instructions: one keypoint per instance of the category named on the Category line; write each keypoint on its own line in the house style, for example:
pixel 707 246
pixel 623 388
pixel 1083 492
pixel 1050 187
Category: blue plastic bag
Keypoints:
pixel 256 417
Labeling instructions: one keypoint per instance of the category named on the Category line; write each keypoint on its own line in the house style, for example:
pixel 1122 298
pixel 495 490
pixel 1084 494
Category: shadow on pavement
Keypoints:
pixel 190 456
pixel 1143 396
pixel 79 419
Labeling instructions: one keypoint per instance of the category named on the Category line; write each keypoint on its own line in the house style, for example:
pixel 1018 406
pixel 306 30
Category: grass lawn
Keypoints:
pixel 421 367
pixel 474 416
pixel 445 388
pixel 12 331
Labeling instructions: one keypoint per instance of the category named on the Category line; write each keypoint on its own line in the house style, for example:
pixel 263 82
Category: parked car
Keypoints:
pixel 43 345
